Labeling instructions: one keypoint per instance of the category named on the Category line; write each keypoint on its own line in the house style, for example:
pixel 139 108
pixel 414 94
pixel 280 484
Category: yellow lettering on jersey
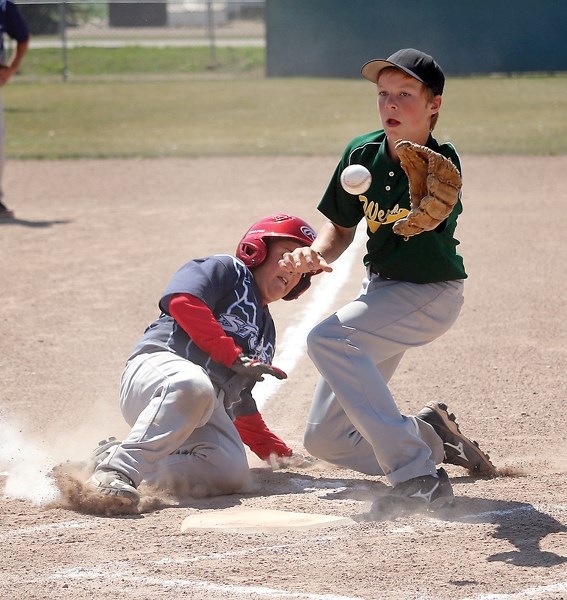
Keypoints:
pixel 376 216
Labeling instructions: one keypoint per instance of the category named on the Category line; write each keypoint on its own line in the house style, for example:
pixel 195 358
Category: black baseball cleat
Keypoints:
pixel 427 492
pixel 6 214
pixel 459 449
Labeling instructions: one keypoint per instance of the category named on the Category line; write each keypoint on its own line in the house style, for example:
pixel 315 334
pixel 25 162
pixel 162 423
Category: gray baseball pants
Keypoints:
pixel 354 421
pixel 182 440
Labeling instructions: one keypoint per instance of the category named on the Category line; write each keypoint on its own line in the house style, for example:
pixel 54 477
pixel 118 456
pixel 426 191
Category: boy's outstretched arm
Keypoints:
pixel 331 241
pixel 255 433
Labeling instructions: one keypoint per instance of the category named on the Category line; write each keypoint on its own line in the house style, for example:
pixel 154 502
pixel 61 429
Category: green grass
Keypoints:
pixel 94 62
pixel 186 109
pixel 506 115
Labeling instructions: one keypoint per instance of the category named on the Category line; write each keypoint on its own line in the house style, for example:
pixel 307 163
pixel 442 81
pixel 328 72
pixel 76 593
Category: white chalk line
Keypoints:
pixel 22 531
pixel 543 508
pixel 325 287
pixel 533 592
pixel 124 576
pixel 245 552
pixel 103 573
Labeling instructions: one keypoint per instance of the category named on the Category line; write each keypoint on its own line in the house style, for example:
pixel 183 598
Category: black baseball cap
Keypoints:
pixel 415 63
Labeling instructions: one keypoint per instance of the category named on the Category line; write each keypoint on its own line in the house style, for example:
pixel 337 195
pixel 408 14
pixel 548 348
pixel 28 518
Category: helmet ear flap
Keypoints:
pixel 252 252
pixel 302 286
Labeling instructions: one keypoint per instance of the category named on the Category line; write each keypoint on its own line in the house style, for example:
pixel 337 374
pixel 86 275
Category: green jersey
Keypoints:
pixel 425 258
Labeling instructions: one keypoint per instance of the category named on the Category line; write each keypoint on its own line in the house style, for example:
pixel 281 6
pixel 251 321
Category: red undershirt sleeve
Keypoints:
pixel 198 321
pixel 255 434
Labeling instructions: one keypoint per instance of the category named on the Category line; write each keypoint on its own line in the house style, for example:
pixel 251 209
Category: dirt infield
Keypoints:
pixel 81 271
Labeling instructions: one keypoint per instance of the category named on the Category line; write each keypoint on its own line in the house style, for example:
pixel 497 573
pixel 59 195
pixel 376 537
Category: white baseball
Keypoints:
pixel 356 179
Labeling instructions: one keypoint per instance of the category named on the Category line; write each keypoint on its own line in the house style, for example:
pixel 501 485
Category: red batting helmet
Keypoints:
pixel 252 248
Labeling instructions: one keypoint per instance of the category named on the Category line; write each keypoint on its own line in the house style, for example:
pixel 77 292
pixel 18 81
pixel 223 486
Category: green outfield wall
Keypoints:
pixel 332 38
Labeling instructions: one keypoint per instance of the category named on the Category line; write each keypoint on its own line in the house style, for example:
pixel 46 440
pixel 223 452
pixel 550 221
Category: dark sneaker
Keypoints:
pixel 114 483
pixel 459 449
pixel 427 491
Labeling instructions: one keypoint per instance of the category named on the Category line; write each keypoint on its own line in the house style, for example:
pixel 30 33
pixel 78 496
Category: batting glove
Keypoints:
pixel 256 369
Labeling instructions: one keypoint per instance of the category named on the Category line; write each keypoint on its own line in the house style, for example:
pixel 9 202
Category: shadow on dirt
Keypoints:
pixel 266 483
pixel 33 224
pixel 521 524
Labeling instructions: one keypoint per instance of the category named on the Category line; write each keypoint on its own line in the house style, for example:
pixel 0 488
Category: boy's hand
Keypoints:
pixel 256 369
pixel 305 260
pixel 294 460
pixel 434 186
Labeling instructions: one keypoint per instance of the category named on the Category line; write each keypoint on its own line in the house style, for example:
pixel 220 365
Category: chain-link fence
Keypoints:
pixel 89 39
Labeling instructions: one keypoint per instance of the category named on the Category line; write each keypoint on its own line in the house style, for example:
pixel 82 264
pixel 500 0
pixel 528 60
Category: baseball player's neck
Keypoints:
pixel 416 139
pixel 417 132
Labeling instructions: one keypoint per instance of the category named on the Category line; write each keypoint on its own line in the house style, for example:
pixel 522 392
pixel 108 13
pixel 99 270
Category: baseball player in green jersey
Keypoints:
pixel 411 294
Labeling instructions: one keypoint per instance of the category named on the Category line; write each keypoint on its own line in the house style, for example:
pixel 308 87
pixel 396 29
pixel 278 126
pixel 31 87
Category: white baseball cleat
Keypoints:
pixel 114 483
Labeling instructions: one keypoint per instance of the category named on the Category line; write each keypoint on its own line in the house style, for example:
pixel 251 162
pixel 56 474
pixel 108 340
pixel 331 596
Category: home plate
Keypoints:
pixel 242 519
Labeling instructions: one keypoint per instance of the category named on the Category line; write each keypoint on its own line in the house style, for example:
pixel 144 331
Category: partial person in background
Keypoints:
pixel 13 25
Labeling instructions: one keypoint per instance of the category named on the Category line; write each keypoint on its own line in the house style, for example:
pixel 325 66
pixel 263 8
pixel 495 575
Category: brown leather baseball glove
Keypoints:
pixel 434 187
